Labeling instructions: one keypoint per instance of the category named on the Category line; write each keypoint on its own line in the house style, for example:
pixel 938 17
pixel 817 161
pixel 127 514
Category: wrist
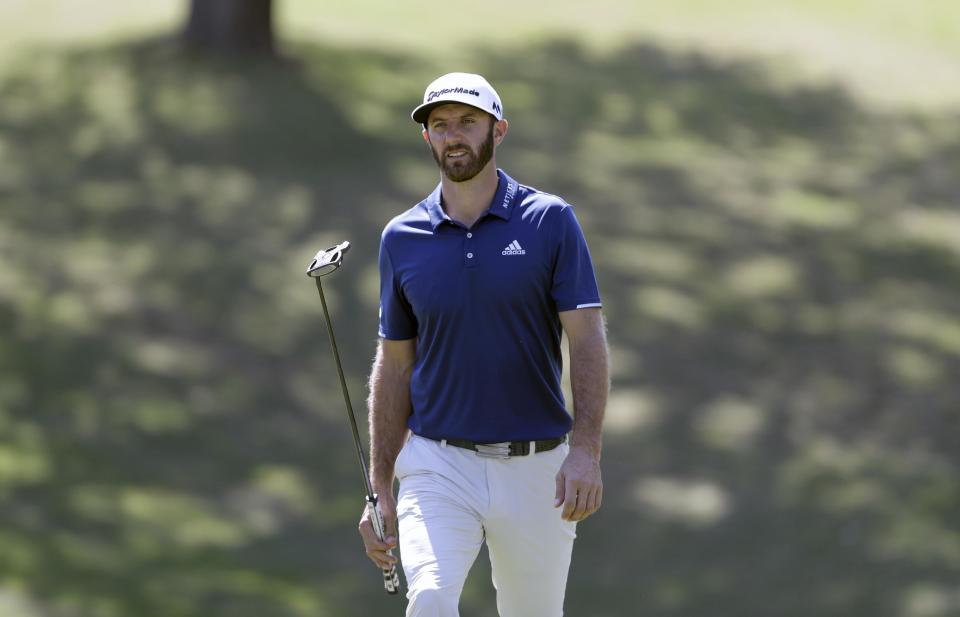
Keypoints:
pixel 381 483
pixel 592 447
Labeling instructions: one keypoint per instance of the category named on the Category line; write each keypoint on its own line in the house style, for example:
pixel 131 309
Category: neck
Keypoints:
pixel 467 201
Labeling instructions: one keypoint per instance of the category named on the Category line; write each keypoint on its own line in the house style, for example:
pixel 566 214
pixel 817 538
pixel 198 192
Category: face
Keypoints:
pixel 461 138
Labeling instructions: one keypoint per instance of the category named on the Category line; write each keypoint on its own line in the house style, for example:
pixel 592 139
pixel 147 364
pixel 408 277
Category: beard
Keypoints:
pixel 466 167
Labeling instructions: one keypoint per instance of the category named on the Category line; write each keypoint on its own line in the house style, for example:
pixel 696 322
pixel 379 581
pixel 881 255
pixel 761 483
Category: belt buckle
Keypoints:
pixel 493 450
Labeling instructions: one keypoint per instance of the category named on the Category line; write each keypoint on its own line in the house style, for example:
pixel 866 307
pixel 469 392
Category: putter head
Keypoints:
pixel 327 260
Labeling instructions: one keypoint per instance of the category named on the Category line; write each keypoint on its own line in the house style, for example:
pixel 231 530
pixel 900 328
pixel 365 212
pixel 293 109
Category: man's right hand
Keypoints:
pixel 377 550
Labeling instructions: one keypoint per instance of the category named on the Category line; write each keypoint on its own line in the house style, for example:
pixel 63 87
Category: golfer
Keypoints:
pixel 477 281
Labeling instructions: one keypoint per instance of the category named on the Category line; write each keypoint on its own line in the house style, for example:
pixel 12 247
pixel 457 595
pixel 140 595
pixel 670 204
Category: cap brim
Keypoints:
pixel 421 113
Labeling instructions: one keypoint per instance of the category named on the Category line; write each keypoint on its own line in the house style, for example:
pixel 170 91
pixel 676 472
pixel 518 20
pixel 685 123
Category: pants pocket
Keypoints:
pixel 399 466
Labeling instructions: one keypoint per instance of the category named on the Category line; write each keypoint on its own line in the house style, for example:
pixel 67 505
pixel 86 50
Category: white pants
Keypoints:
pixel 451 499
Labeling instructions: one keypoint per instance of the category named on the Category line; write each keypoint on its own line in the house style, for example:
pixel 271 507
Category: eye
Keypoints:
pixel 469 120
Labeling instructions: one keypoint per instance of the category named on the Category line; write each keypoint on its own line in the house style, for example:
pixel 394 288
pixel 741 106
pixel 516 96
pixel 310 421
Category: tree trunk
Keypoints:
pixel 230 25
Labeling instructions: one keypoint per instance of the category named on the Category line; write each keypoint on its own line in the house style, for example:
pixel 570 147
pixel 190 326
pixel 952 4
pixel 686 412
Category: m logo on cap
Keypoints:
pixel 496 108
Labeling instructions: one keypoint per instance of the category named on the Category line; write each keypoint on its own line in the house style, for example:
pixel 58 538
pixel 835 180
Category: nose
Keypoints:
pixel 454 132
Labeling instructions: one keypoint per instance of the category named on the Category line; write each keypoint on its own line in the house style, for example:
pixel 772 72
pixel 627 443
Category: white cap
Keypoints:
pixel 466 88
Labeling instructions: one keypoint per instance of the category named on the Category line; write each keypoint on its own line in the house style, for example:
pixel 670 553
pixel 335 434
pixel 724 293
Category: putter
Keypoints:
pixel 325 262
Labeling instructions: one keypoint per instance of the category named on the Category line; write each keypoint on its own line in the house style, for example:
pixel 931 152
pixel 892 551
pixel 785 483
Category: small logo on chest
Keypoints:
pixel 513 248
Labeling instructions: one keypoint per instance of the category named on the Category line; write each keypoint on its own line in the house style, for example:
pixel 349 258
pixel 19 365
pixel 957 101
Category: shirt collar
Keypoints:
pixel 501 206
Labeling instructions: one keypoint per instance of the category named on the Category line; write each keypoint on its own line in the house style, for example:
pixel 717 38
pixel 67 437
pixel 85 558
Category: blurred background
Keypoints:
pixel 771 192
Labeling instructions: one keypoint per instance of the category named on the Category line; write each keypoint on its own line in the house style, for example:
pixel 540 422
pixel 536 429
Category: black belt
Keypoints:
pixel 505 449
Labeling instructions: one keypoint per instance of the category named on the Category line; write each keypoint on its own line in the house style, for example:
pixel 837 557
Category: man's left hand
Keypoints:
pixel 579 486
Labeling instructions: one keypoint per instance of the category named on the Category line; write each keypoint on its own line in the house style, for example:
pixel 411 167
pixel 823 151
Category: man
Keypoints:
pixel 466 407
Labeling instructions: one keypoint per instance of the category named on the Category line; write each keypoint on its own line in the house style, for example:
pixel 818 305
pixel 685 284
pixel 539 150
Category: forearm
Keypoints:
pixel 389 408
pixel 590 382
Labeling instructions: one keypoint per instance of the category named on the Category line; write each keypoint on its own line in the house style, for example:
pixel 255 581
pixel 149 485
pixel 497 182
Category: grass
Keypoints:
pixel 896 54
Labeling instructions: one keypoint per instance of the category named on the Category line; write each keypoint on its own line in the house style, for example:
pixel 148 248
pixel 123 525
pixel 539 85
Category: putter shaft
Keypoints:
pixel 391 580
pixel 346 393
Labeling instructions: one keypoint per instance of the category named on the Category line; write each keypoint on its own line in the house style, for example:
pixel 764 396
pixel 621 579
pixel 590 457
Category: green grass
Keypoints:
pixel 889 53
pixel 929 23
pixel 893 53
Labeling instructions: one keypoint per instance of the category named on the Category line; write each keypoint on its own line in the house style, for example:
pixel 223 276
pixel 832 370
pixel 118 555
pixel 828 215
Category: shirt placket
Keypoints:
pixel 471 255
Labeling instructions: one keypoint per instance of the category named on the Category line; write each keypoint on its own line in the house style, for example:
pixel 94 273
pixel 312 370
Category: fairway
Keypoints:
pixel 892 53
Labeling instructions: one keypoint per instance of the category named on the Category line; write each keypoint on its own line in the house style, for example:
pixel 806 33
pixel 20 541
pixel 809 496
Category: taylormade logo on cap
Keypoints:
pixel 467 88
pixel 435 94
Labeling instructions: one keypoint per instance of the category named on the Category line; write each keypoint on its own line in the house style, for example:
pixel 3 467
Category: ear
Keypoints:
pixel 426 136
pixel 500 130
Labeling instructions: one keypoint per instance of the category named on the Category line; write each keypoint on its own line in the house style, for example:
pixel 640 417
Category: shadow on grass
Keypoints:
pixel 779 266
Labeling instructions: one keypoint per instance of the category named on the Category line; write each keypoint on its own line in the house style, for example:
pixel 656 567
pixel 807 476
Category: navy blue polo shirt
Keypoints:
pixel 483 303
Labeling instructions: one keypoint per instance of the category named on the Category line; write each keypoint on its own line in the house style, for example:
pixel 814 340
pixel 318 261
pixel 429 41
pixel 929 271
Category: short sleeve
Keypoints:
pixel 397 321
pixel 574 281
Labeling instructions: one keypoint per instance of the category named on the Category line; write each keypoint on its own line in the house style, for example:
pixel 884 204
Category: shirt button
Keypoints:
pixel 469 255
pixel 469 235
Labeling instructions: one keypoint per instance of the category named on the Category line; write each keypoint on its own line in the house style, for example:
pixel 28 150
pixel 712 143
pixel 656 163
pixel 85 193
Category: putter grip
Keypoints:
pixel 391 580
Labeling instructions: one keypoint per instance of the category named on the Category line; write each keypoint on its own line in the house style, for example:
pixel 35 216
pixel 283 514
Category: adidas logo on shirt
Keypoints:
pixel 513 248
